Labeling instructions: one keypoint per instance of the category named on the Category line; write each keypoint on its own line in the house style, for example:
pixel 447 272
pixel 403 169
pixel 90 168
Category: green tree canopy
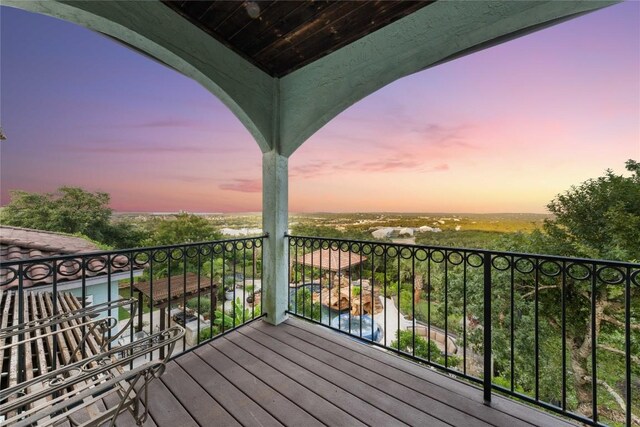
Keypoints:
pixel 69 210
pixel 599 218
pixel 184 228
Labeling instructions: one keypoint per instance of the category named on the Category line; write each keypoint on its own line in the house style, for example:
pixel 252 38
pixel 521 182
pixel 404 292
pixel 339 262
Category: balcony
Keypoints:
pixel 298 373
pixel 299 330
pixel 337 360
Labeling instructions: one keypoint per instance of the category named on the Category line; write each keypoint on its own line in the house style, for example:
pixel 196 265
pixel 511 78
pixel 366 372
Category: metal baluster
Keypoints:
pixel 109 299
pixel 296 279
pixel 350 275
pixel 563 299
pixel 244 281
pixel 54 327
pixel 198 269
pixel 151 296
pixel 304 293
pixel 84 303
pixel 169 295
pixel 464 312
pixel 254 271
pixel 446 308
pixel 429 254
pixel 139 327
pixel 212 296
pixel 386 307
pixel 487 330
pixel 536 336
pixel 373 302
pixel 330 281
pixel 594 361
pixel 261 274
pixel 339 286
pixel 224 285
pixel 398 308
pixel 627 344
pixel 184 294
pixel 413 306
pixel 235 272
pixel 512 327
pixel 320 280
pixel 21 347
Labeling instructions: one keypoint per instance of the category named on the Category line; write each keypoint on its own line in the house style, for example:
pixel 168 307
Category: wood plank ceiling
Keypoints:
pixel 281 36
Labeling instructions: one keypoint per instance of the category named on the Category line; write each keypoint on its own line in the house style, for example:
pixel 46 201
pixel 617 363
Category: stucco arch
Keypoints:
pixel 157 31
pixel 283 113
pixel 315 94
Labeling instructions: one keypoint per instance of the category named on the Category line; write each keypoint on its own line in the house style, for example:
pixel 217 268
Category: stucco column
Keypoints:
pixel 275 286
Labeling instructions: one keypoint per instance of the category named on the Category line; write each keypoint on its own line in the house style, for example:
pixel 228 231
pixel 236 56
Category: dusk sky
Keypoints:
pixel 502 130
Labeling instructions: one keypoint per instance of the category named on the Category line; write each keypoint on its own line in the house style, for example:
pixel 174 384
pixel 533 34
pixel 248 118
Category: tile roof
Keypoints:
pixel 331 259
pixel 195 285
pixel 18 244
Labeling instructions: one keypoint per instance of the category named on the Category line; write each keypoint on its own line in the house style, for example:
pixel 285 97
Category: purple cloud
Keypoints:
pixel 243 185
pixel 169 123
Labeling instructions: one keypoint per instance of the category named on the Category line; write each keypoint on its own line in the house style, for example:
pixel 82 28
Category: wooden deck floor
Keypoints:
pixel 300 374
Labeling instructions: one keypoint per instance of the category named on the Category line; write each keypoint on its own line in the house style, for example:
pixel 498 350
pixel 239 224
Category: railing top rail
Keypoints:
pixel 128 251
pixel 480 251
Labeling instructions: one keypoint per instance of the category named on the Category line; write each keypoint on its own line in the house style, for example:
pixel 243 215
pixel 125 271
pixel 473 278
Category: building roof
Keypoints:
pixel 194 285
pixel 281 36
pixel 25 244
pixel 331 259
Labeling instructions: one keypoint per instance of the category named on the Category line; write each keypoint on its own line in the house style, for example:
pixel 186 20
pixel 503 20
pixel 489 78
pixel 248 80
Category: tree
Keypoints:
pixel 424 348
pixel 70 210
pixel 599 218
pixel 184 228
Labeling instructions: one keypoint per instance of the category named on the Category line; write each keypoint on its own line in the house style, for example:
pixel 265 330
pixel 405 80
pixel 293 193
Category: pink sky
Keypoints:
pixel 503 130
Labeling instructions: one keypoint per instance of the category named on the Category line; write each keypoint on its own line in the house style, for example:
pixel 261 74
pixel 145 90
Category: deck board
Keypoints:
pixel 189 393
pixel 362 411
pixel 404 402
pixel 165 409
pixel 302 374
pixel 304 397
pixel 392 405
pixel 394 365
pixel 283 409
pixel 246 411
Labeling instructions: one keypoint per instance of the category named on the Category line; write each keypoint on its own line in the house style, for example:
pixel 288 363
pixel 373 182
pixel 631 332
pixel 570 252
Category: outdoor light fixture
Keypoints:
pixel 253 9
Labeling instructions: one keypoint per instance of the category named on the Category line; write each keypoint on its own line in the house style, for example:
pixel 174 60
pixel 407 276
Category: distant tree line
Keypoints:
pixel 79 212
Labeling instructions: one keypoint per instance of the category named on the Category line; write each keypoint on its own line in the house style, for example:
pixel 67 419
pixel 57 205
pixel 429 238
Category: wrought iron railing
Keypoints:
pixel 536 327
pixel 209 288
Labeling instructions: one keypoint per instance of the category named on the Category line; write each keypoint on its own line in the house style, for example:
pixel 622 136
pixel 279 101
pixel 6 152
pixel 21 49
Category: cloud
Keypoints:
pixel 188 178
pixel 387 165
pixel 311 169
pixel 398 163
pixel 133 147
pixel 243 185
pixel 440 168
pixel 445 136
pixel 168 123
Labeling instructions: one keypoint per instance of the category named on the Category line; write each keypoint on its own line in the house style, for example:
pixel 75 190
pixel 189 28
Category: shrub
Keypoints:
pixel 205 305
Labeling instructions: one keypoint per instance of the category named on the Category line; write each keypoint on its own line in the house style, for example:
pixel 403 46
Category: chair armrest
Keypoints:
pixel 85 318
